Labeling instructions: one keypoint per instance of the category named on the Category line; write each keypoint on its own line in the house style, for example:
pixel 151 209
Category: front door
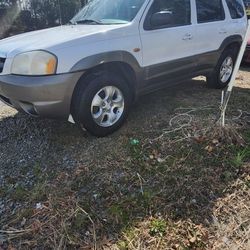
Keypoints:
pixel 167 37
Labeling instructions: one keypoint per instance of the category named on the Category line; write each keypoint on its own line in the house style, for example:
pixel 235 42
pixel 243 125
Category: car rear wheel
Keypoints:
pixel 101 104
pixel 223 71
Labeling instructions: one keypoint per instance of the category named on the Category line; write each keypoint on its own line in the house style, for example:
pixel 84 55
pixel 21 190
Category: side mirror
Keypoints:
pixel 161 18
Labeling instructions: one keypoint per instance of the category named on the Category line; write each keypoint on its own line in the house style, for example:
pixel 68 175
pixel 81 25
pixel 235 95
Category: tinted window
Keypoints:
pixel 236 9
pixel 209 11
pixel 178 11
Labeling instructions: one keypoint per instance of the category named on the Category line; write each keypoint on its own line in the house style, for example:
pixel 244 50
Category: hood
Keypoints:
pixel 51 38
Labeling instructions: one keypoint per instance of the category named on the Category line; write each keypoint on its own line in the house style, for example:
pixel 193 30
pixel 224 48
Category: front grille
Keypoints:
pixel 2 61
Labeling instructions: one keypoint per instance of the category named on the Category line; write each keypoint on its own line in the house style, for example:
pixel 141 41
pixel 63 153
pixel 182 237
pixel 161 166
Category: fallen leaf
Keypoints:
pixel 200 139
pixel 215 141
pixel 160 160
pixel 192 240
pixel 209 149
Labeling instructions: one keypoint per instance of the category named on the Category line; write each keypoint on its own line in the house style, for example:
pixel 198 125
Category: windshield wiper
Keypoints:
pixel 88 21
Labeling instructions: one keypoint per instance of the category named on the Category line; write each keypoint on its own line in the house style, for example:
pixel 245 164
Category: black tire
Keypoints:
pixel 213 79
pixel 82 100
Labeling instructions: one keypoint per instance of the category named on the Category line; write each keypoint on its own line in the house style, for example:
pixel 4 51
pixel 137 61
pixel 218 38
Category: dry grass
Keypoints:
pixel 175 180
pixel 159 213
pixel 232 217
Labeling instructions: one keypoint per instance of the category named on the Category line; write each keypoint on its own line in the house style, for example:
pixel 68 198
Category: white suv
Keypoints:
pixel 92 69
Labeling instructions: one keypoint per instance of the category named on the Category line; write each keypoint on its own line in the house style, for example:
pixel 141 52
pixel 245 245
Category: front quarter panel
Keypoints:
pixel 122 39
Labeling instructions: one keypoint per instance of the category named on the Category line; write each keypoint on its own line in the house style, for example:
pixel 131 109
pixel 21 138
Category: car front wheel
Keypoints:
pixel 101 105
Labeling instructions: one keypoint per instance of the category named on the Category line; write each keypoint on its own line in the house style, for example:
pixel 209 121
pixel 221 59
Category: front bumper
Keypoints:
pixel 45 96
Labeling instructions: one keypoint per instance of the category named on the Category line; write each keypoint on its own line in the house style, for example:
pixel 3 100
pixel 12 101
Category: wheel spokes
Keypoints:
pixel 99 117
pixel 118 102
pixel 229 62
pixel 107 106
pixel 226 69
pixel 109 92
pixel 97 101
pixel 111 117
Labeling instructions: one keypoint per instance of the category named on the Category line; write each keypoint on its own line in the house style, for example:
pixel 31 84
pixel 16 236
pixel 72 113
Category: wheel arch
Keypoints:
pixel 131 73
pixel 234 41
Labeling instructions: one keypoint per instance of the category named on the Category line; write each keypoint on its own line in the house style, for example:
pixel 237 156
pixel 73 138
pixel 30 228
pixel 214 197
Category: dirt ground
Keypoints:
pixel 170 178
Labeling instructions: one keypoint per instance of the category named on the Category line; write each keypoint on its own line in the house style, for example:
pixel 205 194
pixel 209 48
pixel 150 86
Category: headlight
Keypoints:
pixel 34 63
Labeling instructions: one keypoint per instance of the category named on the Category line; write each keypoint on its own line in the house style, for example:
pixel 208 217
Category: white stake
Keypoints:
pixel 231 84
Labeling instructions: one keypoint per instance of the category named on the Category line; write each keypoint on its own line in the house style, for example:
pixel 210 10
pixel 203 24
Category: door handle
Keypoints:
pixel 187 36
pixel 222 31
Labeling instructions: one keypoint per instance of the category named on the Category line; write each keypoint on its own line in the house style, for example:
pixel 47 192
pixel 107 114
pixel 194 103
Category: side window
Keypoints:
pixel 236 9
pixel 209 11
pixel 168 13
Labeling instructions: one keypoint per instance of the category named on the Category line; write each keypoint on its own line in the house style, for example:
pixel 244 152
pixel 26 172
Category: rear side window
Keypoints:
pixel 209 11
pixel 236 9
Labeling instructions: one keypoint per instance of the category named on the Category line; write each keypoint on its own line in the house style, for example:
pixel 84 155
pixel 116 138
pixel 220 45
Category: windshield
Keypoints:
pixel 108 12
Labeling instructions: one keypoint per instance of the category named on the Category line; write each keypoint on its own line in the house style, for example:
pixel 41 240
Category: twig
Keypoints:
pixel 141 179
pixel 14 231
pixel 93 225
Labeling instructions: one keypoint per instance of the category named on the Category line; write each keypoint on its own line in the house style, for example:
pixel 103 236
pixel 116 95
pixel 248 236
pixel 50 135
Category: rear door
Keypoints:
pixel 212 26
pixel 237 20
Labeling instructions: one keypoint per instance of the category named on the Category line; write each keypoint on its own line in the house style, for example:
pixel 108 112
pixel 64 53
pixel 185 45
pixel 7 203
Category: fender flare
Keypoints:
pixel 229 40
pixel 107 57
